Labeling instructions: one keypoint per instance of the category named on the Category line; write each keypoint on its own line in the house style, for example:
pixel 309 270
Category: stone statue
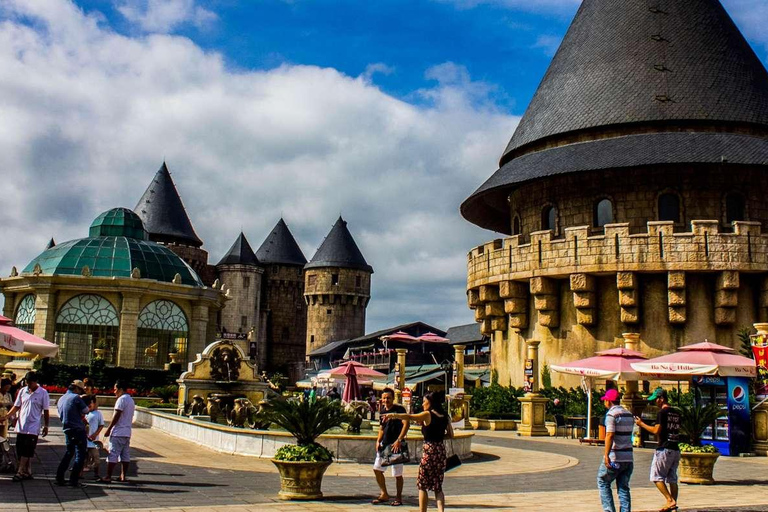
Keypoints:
pixel 225 364
pixel 197 407
pixel 257 420
pixel 214 409
pixel 358 410
pixel 242 410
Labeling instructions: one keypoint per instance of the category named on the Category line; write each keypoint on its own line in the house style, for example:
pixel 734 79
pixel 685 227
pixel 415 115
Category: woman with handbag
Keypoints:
pixel 435 425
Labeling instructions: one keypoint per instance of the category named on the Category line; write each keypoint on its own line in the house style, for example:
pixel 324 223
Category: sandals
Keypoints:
pixel 396 503
pixel 104 480
pixel 379 501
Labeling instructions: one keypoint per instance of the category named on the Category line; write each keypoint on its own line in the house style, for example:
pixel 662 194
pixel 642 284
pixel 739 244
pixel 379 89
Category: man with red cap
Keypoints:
pixel 617 463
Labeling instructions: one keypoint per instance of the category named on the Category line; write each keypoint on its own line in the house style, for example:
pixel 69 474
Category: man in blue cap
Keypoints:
pixel 666 458
pixel 618 462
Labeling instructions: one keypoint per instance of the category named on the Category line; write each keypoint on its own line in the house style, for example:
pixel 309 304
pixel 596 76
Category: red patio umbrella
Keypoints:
pixel 399 336
pixel 431 337
pixel 18 343
pixel 351 387
pixel 360 370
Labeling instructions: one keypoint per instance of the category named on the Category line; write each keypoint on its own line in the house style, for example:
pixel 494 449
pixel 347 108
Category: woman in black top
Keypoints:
pixel 435 425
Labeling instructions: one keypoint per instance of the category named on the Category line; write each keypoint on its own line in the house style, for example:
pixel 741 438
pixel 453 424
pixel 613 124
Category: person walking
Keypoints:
pixel 119 433
pixel 618 462
pixel 31 410
pixel 95 425
pixel 666 458
pixel 6 402
pixel 72 411
pixel 435 427
pixel 391 433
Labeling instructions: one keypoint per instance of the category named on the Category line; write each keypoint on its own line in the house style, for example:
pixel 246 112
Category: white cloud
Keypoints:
pixel 548 43
pixel 87 116
pixel 163 16
pixel 377 67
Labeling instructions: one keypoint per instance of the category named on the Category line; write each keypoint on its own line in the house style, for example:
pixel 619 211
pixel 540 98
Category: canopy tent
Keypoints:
pixel 18 343
pixel 612 364
pixel 698 359
pixel 360 370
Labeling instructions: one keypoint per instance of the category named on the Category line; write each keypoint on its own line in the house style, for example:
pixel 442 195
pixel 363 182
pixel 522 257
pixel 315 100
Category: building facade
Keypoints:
pixel 632 192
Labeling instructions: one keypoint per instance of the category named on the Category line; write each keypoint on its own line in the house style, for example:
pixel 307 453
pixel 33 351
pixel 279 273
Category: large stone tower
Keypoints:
pixel 633 189
pixel 337 288
pixel 284 310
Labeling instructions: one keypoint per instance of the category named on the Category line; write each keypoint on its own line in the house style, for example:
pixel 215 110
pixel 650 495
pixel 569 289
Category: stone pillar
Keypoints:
pixel 9 307
pixel 126 344
pixel 198 330
pixel 533 405
pixel 458 356
pixel 632 400
pixel 45 313
pixel 400 384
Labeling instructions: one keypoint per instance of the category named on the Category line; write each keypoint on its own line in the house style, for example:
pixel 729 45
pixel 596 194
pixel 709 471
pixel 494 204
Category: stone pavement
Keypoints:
pixel 509 474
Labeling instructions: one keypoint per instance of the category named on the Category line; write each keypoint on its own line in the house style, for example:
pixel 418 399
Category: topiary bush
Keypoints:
pixel 495 400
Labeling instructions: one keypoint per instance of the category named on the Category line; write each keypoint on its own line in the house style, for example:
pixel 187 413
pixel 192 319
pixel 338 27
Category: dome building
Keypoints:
pixel 632 190
pixel 116 290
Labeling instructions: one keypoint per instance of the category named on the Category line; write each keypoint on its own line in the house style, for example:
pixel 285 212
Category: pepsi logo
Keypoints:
pixel 738 394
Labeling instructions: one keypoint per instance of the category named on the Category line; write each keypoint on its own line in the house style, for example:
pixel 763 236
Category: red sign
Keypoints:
pixel 406 393
pixel 761 360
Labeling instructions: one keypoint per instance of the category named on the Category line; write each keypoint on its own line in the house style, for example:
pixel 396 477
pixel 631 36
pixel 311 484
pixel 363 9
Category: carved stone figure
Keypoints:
pixel 225 364
pixel 257 420
pixel 197 407
pixel 358 409
pixel 242 410
pixel 214 409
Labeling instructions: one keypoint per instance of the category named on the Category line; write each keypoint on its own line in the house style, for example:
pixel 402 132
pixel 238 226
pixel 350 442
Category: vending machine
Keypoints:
pixel 731 431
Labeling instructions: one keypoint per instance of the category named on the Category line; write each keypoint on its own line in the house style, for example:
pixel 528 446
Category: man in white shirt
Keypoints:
pixel 32 405
pixel 119 433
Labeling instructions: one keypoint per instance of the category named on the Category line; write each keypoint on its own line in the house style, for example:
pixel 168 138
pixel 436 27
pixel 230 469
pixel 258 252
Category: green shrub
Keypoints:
pixel 496 399
pixel 104 377
pixel 151 404
pixel 572 402
pixel 707 448
pixel 166 393
pixel 304 453
pixel 546 376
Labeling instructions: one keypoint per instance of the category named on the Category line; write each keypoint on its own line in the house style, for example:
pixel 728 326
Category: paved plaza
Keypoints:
pixel 509 473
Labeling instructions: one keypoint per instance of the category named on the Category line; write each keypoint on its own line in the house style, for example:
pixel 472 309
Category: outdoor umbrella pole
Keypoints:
pixel 589 408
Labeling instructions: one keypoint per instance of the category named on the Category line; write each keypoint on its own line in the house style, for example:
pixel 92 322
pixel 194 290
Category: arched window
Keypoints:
pixel 548 218
pixel 603 213
pixel 84 323
pixel 162 329
pixel 669 207
pixel 25 314
pixel 734 207
pixel 516 225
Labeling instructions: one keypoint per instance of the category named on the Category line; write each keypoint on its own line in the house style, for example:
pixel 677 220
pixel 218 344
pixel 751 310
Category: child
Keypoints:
pixel 95 425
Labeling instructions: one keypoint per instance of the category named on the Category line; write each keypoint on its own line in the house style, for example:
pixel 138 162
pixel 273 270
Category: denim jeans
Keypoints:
pixel 605 476
pixel 77 446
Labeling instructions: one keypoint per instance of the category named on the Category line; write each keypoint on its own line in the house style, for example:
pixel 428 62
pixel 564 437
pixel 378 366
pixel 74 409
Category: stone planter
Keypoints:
pixel 101 352
pixel 300 480
pixel 696 468
pixel 174 357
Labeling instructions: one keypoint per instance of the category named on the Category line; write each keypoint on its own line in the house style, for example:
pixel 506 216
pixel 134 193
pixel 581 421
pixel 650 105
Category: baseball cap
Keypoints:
pixel 658 393
pixel 611 395
pixel 78 383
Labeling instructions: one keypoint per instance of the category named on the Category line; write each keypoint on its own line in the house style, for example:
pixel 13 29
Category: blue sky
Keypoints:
pixel 388 112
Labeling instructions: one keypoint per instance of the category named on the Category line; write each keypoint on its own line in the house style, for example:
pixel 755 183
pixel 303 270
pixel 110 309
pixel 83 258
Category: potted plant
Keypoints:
pixel 303 464
pixel 173 354
pixel 101 349
pixel 696 461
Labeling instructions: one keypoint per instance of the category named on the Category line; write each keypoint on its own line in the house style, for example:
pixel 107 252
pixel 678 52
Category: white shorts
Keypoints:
pixel 397 469
pixel 119 449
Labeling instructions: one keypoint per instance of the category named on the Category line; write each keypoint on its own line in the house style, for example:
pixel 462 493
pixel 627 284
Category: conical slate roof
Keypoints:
pixel 240 253
pixel 163 214
pixel 679 71
pixel 339 250
pixel 280 247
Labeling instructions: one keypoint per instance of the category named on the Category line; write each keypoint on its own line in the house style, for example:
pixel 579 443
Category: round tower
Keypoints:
pixel 240 274
pixel 633 190
pixel 283 310
pixel 337 288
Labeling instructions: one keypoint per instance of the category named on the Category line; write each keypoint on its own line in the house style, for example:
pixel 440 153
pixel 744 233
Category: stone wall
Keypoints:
pixel 286 315
pixel 634 194
pixel 335 305
pixel 243 282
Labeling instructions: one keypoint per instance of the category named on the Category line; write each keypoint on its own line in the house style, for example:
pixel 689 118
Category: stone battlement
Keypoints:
pixel 703 249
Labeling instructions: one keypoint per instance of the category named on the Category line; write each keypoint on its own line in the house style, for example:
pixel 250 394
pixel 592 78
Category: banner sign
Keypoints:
pixel 237 336
pixel 761 359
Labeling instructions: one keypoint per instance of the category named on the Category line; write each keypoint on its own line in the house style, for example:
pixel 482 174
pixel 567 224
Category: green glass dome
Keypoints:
pixel 116 246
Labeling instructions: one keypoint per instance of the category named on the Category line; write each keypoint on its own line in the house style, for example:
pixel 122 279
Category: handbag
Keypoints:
pixel 390 458
pixel 453 461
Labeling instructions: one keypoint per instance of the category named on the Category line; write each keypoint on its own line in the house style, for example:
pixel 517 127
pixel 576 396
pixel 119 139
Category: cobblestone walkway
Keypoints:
pixel 510 473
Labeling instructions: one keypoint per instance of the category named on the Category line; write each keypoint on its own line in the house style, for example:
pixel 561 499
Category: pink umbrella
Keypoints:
pixel 399 336
pixel 612 364
pixel 351 388
pixel 431 337
pixel 699 359
pixel 19 343
pixel 360 370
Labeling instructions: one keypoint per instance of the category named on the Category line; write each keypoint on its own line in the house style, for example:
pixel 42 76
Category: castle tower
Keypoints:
pixel 633 189
pixel 284 310
pixel 337 288
pixel 166 221
pixel 240 274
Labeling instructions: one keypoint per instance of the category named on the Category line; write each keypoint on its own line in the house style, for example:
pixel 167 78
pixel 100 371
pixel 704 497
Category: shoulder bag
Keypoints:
pixel 390 458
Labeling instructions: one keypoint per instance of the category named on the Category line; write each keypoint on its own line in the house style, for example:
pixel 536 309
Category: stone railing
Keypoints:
pixel 659 249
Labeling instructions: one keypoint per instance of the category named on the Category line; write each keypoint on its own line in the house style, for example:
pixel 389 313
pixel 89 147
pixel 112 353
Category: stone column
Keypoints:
pixel 400 384
pixel 533 405
pixel 198 330
pixel 632 400
pixel 126 344
pixel 45 313
pixel 458 356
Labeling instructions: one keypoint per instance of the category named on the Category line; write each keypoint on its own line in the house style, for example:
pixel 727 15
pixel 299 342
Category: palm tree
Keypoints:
pixel 305 419
pixel 694 420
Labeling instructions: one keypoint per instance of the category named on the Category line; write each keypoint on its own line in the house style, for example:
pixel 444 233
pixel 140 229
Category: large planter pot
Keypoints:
pixel 300 480
pixel 696 468
pixel 101 352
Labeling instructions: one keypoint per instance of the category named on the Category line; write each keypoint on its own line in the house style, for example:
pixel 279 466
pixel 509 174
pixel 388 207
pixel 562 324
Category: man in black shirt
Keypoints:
pixel 391 432
pixel 666 458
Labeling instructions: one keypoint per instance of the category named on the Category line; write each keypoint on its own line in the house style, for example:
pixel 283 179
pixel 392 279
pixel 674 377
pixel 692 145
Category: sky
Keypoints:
pixel 389 113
